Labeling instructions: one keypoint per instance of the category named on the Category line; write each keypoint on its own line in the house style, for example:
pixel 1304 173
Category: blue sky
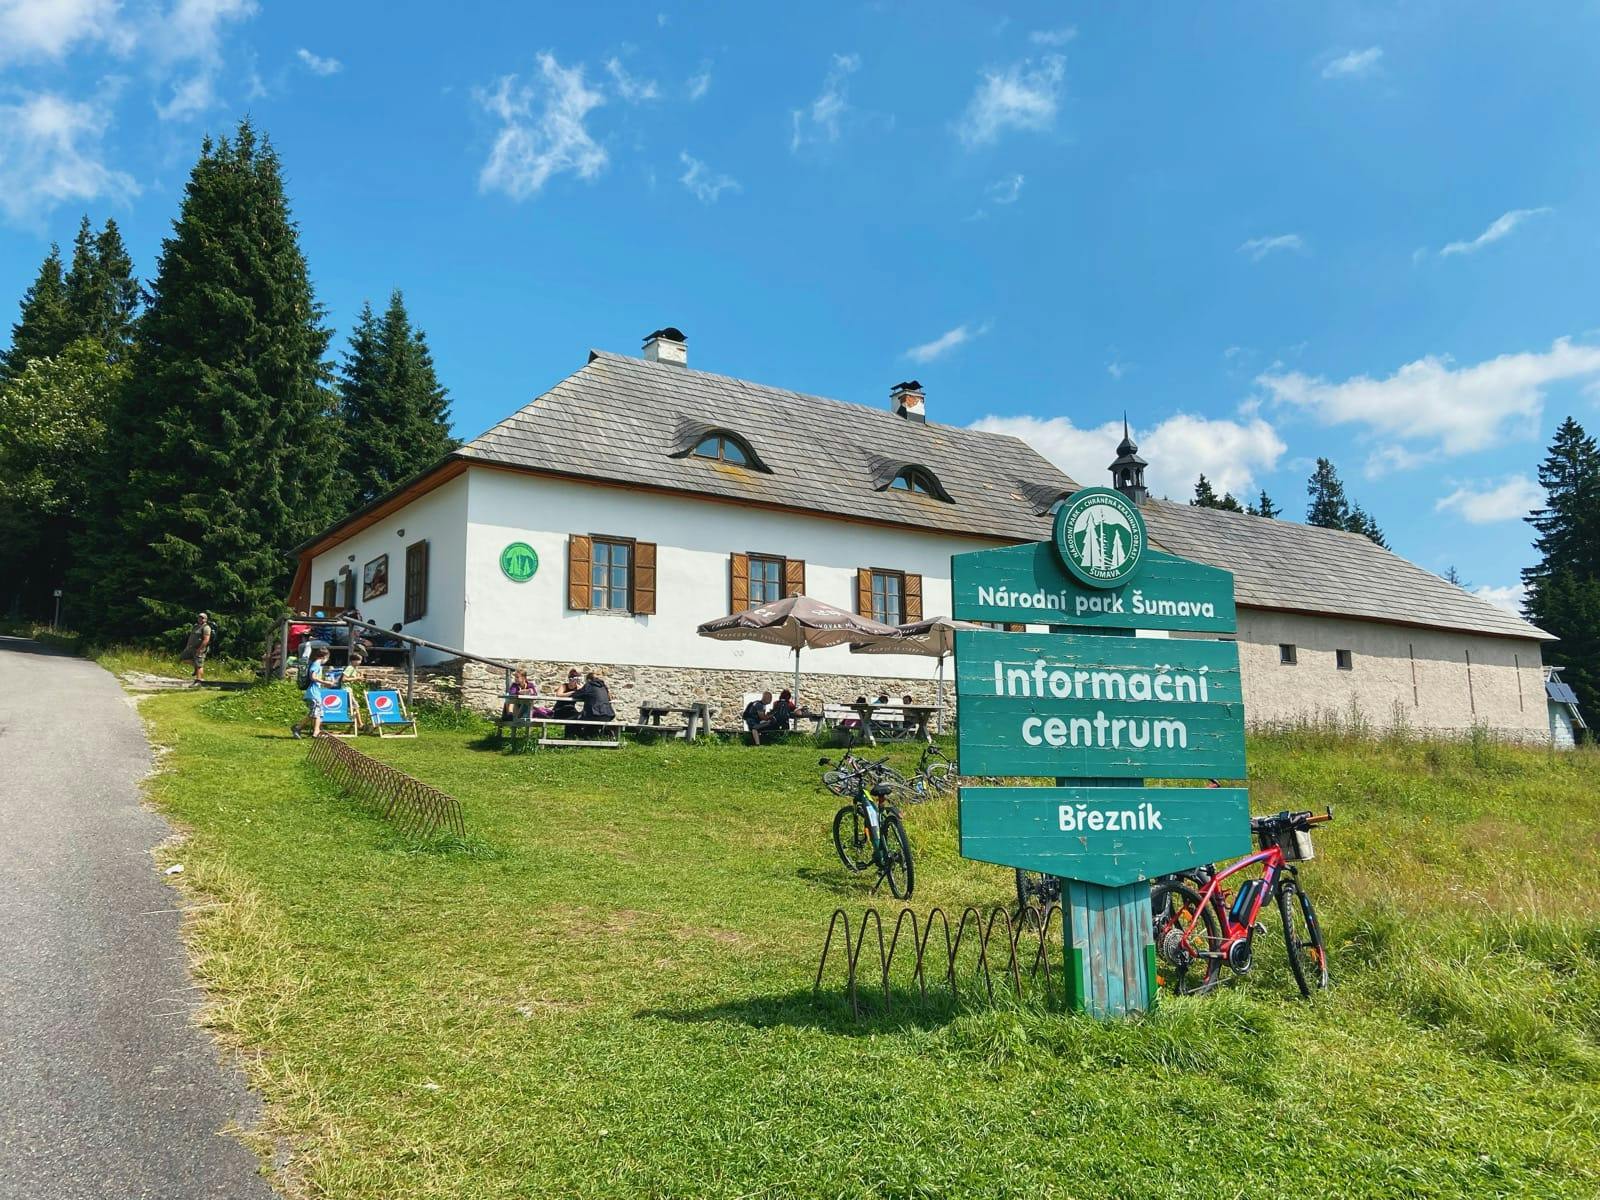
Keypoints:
pixel 1267 232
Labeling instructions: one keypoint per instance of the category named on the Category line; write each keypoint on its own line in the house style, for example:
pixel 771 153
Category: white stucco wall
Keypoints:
pixel 440 518
pixel 1422 674
pixel 694 540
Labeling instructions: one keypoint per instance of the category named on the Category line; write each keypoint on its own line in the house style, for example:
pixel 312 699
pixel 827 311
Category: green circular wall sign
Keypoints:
pixel 519 561
pixel 1100 537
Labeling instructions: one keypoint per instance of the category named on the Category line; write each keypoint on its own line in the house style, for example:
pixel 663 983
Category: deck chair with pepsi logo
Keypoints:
pixel 338 709
pixel 388 714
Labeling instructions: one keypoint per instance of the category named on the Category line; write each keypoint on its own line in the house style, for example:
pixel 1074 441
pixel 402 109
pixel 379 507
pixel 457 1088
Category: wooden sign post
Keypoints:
pixel 1099 713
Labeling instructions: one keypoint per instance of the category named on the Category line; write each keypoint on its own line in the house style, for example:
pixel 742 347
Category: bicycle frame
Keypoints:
pixel 1215 897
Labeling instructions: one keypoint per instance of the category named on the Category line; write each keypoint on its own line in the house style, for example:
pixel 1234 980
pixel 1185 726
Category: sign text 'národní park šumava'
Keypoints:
pixel 1099 710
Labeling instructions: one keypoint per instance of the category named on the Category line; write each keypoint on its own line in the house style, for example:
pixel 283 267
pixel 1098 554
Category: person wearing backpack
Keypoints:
pixel 310 679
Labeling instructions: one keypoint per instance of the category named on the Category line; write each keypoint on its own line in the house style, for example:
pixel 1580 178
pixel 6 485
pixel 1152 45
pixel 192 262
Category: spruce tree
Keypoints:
pixel 46 326
pixel 396 415
pixel 1263 507
pixel 1563 587
pixel 1205 496
pixel 1229 503
pixel 1328 508
pixel 1361 522
pixel 224 437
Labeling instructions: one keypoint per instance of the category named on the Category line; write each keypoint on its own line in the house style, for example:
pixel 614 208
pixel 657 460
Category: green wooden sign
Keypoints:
pixel 1105 835
pixel 1072 704
pixel 519 561
pixel 1027 585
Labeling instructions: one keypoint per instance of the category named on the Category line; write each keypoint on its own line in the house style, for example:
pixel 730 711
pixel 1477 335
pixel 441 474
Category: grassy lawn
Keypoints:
pixel 606 991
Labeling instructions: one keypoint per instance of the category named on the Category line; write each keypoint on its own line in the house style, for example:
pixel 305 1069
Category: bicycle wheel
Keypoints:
pixel 1308 956
pixel 1036 891
pixel 896 862
pixel 840 783
pixel 940 778
pixel 851 838
pixel 1183 963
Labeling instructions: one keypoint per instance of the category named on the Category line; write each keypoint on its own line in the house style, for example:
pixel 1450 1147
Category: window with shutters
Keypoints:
pixel 888 597
pixel 416 581
pixel 766 579
pixel 611 575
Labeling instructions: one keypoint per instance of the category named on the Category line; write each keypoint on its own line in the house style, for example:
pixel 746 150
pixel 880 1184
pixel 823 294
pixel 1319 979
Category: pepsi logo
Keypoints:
pixel 383 703
pixel 331 702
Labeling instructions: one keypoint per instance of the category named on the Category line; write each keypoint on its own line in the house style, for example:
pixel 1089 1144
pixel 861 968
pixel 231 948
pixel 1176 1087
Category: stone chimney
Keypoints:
pixel 667 346
pixel 906 400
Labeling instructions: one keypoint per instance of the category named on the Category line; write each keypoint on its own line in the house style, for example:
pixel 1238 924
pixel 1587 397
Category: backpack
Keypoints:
pixel 302 676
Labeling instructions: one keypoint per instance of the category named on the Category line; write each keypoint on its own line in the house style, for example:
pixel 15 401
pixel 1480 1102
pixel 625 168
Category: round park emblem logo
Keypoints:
pixel 519 561
pixel 1100 536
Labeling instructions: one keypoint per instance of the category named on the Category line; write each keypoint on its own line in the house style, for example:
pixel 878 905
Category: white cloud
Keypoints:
pixel 532 146
pixel 946 342
pixel 1509 598
pixel 1180 449
pixel 1448 409
pixel 1053 37
pixel 1500 227
pixel 186 44
pixel 1023 96
pixel 631 88
pixel 819 121
pixel 701 180
pixel 50 154
pixel 1116 370
pixel 1509 500
pixel 33 29
pixel 318 65
pixel 699 83
pixel 1006 191
pixel 1258 248
pixel 1354 65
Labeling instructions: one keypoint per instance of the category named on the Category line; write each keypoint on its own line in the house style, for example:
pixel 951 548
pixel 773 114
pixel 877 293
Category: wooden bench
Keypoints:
pixel 546 724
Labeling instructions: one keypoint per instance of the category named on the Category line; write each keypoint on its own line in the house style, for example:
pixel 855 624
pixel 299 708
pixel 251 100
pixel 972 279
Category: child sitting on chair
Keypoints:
pixel 312 677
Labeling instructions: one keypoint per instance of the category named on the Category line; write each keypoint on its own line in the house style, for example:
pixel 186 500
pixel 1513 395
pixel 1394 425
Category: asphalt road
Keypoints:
pixel 107 1087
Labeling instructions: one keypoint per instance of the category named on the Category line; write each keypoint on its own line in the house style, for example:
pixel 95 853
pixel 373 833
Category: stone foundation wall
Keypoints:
pixel 482 687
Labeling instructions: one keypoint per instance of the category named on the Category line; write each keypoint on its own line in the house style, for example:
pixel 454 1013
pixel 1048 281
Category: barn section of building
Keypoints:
pixel 656 497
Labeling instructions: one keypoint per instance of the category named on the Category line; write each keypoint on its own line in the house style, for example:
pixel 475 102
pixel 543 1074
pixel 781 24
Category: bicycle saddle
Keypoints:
pixel 880 790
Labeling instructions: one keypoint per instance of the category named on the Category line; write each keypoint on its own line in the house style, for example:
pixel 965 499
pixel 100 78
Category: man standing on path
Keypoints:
pixel 195 649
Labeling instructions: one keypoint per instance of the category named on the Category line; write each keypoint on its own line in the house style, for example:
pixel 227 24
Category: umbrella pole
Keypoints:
pixel 797 676
pixel 940 724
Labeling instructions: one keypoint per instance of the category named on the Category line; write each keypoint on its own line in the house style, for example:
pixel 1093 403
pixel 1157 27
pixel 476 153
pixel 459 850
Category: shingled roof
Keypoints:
pixel 620 419
pixel 1284 565
pixel 630 420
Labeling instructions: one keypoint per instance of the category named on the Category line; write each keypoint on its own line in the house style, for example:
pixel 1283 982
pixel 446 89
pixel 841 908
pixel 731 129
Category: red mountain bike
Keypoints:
pixel 1197 930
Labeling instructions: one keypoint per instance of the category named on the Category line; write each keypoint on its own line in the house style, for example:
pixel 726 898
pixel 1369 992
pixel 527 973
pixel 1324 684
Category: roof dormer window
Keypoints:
pixel 914 480
pixel 724 448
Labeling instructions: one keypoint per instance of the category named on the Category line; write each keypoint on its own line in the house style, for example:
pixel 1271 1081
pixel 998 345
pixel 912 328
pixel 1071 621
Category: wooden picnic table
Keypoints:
pixel 913 721
pixel 697 717
pixel 526 722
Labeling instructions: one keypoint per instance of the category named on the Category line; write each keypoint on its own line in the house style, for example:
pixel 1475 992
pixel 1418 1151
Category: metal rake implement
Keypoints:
pixel 418 809
pixel 1025 939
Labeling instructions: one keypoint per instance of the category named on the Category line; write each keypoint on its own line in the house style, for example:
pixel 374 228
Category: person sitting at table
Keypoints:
pixel 852 722
pixel 519 687
pixel 565 705
pixel 754 715
pixel 883 697
pixel 907 700
pixel 781 715
pixel 596 700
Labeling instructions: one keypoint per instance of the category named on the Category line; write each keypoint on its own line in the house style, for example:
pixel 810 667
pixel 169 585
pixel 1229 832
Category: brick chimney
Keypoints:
pixel 667 346
pixel 906 400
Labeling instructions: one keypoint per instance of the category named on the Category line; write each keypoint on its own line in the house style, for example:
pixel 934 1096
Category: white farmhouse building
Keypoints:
pixel 654 497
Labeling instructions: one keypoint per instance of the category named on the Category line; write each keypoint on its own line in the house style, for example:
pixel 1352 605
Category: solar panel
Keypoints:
pixel 1560 692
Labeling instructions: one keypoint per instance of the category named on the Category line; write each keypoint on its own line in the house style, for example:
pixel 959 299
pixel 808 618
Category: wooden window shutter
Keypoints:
pixel 794 577
pixel 580 560
pixel 738 582
pixel 912 598
pixel 864 591
pixel 1015 628
pixel 644 578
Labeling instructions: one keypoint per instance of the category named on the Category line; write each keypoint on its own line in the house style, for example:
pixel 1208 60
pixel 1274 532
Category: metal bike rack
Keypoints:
pixel 419 809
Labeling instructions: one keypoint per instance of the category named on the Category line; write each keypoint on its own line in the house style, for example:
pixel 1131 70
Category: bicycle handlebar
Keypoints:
pixel 1295 820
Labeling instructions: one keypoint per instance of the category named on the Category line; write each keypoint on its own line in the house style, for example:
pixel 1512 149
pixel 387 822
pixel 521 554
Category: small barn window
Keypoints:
pixel 1287 654
pixel 723 448
pixel 913 480
pixel 416 596
pixel 330 594
pixel 1342 659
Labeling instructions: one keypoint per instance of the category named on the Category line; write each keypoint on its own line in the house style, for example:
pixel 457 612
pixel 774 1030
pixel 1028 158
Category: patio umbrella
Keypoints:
pixel 796 622
pixel 932 638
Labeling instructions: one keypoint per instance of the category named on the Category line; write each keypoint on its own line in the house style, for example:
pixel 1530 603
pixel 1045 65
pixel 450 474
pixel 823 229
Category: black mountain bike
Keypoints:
pixel 868 832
